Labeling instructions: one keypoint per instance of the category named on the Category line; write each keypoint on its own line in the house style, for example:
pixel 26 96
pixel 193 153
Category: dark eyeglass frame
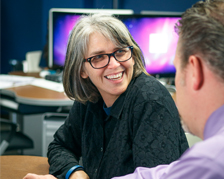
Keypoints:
pixel 109 55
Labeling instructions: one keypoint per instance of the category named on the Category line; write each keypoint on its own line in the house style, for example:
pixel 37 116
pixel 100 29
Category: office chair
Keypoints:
pixel 10 139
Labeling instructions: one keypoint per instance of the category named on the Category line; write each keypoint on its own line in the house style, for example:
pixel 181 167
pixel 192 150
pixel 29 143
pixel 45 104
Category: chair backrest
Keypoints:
pixel 7 130
pixel 11 139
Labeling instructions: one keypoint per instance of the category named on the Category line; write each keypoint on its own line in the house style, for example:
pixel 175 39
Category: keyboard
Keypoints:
pixel 54 77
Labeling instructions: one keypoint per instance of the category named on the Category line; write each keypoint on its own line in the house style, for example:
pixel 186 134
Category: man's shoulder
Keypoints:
pixel 211 149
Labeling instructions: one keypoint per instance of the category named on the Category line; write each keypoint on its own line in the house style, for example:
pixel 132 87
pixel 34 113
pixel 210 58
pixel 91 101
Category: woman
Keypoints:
pixel 122 117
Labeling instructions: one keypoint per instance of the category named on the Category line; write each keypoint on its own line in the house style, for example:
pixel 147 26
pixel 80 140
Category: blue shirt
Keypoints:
pixel 204 160
pixel 106 109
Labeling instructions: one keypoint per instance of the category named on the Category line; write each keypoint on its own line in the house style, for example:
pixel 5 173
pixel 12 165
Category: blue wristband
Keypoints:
pixel 72 170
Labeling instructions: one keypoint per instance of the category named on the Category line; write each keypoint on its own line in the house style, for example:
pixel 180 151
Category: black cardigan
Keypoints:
pixel 143 129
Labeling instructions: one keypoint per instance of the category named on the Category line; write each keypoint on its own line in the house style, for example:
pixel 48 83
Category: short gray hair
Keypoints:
pixel 75 86
pixel 201 31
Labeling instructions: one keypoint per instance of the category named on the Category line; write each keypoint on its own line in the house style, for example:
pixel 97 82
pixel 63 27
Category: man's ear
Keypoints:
pixel 197 72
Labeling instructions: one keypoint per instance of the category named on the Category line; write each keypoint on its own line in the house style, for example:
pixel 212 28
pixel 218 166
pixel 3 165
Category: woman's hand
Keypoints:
pixel 80 174
pixel 34 176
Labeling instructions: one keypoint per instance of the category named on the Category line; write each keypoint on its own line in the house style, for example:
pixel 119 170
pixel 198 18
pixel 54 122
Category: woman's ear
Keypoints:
pixel 84 74
pixel 197 72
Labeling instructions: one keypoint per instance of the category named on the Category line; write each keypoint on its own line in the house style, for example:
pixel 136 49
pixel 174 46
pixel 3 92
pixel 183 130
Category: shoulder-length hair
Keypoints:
pixel 78 88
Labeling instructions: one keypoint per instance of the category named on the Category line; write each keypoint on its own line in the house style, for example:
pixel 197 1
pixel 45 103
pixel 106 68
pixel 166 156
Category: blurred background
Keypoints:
pixel 24 22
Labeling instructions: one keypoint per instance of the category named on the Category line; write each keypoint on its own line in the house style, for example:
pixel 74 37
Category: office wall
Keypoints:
pixel 24 22
pixel 20 29
pixel 155 5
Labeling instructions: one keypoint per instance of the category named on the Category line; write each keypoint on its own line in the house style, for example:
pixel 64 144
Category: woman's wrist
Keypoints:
pixel 72 170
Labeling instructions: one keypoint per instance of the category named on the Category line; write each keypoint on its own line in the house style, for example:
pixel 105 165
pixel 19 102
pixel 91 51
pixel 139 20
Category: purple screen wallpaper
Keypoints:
pixel 62 27
pixel 155 36
pixel 157 40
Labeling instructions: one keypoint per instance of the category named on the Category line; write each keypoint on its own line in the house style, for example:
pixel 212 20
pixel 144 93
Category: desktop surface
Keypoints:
pixel 14 166
pixel 34 97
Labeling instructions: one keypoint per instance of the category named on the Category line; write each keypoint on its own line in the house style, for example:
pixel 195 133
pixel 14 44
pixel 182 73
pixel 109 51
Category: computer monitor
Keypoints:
pixel 61 22
pixel 155 35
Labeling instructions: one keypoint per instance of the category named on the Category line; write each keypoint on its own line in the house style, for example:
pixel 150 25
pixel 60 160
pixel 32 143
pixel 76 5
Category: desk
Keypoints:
pixel 38 111
pixel 14 166
pixel 32 95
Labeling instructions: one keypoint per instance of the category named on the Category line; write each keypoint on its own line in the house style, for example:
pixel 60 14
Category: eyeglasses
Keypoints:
pixel 102 60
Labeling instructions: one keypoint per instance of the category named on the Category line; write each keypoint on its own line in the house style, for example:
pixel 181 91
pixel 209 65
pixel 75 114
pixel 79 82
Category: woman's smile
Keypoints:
pixel 117 76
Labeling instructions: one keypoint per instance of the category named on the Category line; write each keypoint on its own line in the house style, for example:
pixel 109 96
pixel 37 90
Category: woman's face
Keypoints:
pixel 112 80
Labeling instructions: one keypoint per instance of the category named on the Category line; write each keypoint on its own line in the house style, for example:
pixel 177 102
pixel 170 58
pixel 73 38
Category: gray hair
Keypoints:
pixel 83 90
pixel 201 31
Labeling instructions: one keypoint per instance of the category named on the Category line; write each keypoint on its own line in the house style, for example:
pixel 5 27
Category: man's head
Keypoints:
pixel 200 62
pixel 201 31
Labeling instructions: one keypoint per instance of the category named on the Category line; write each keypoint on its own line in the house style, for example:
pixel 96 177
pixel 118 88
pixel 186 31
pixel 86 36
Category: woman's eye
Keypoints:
pixel 97 58
pixel 120 51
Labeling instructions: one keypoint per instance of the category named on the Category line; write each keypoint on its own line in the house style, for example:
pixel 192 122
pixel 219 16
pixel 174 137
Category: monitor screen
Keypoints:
pixel 62 28
pixel 157 39
pixel 61 22
pixel 154 34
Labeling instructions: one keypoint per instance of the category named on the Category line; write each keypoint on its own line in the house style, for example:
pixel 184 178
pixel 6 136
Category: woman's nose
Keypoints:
pixel 113 63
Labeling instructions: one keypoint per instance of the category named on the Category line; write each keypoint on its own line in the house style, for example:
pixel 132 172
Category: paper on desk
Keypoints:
pixel 8 81
pixel 48 84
